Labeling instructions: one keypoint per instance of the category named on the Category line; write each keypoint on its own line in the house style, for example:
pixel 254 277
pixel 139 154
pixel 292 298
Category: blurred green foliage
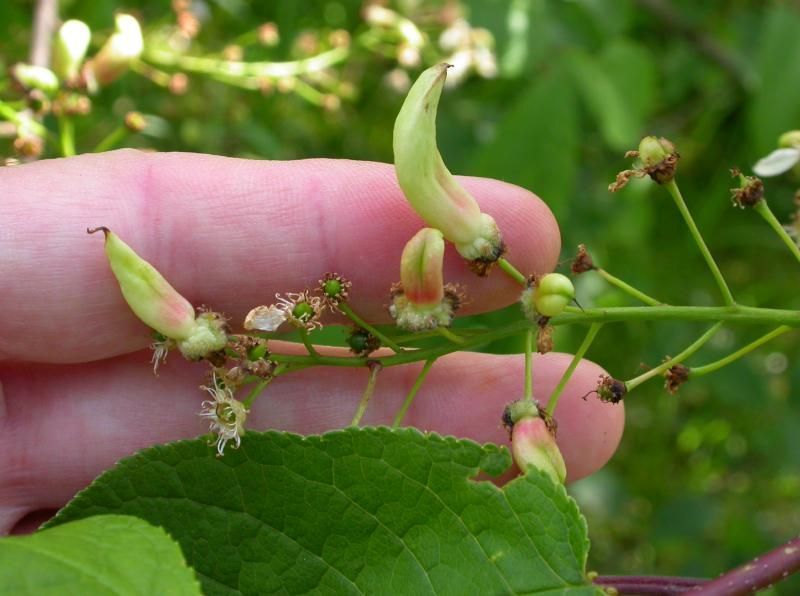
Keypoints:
pixel 704 479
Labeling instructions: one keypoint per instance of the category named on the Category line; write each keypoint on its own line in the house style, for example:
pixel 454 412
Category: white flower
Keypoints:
pixel 777 162
pixel 226 415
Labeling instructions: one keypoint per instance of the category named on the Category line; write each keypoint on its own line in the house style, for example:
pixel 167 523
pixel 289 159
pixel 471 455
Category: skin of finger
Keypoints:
pixel 67 423
pixel 227 233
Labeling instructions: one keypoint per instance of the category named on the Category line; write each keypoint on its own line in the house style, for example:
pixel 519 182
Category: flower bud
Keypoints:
pixel 158 305
pixel 113 59
pixel 35 77
pixel 421 301
pixel 69 49
pixel 534 447
pixel 428 185
pixel 653 150
pixel 789 139
pixel 551 294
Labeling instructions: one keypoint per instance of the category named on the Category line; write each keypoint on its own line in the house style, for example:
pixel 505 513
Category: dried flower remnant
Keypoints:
pixel 362 342
pixel 793 228
pixel 610 390
pixel 225 414
pixel 658 158
pixel 159 306
pixel 675 377
pixel 544 336
pixel 421 300
pixel 583 261
pixel 428 185
pixel 749 192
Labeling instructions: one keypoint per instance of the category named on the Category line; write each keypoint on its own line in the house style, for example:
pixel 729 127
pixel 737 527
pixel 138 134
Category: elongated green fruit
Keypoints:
pixel 427 183
pixel 159 305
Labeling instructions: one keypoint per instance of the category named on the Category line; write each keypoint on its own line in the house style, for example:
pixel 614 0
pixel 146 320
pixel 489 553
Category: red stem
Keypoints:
pixel 760 573
pixel 649 584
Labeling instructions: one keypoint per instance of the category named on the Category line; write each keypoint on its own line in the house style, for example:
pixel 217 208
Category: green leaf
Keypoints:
pixel 775 107
pixel 106 554
pixel 370 510
pixel 604 100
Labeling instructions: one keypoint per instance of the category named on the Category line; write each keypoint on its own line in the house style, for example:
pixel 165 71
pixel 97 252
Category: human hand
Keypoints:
pixel 76 390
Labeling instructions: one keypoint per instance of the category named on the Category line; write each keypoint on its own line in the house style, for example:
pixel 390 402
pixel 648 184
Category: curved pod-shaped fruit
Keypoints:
pixel 428 185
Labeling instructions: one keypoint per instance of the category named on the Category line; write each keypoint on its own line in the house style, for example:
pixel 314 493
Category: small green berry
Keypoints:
pixel 332 288
pixel 789 139
pixel 303 311
pixel 553 293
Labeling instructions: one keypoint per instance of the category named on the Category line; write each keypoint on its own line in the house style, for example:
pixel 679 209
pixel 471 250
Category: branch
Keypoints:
pixel 649 584
pixel 44 23
pixel 760 573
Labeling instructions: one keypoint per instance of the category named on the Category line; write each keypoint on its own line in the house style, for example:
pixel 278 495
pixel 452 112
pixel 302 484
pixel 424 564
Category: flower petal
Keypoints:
pixel 265 318
pixel 777 162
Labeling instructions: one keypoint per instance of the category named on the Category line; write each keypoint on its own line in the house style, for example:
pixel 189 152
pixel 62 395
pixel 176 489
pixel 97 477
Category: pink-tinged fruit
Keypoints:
pixel 422 301
pixel 534 447
pixel 159 305
pixel 421 268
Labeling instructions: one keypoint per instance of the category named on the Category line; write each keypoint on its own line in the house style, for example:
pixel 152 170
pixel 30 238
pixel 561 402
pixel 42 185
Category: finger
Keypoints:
pixel 65 424
pixel 227 233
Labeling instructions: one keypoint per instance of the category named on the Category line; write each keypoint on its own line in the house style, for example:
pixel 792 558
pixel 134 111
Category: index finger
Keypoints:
pixel 227 233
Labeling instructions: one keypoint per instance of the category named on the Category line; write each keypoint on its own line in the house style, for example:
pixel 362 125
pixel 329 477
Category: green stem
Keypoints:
pixel 674 191
pixel 8 112
pixel 627 288
pixel 587 342
pixel 664 366
pixel 66 136
pixel 374 369
pixel 398 419
pixel 262 384
pixel 235 68
pixel 764 211
pixel 348 312
pixel 512 272
pixel 111 140
pixel 697 371
pixel 445 332
pixel 735 313
pixel 307 343
pixel 528 395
